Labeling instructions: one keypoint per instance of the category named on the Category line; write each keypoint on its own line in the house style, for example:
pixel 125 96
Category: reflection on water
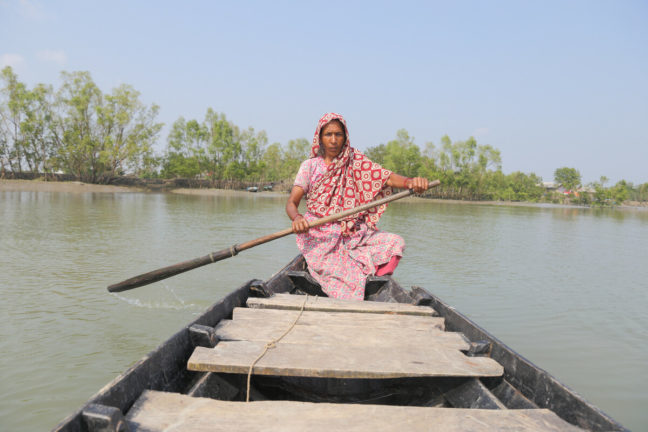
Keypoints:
pixel 566 287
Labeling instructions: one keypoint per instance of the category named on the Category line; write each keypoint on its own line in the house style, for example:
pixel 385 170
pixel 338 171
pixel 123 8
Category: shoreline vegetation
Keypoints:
pixel 79 133
pixel 73 186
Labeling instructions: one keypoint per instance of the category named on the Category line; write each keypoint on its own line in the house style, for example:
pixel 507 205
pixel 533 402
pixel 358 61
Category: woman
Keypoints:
pixel 337 177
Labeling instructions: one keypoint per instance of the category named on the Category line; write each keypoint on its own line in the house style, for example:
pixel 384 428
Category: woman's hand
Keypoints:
pixel 418 184
pixel 300 224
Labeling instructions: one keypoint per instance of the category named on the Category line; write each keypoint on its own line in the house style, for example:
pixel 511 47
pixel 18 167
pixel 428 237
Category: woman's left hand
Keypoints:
pixel 418 184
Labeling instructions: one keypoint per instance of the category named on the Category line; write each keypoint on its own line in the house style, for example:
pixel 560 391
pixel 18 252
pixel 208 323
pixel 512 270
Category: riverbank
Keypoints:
pixel 67 186
pixel 80 187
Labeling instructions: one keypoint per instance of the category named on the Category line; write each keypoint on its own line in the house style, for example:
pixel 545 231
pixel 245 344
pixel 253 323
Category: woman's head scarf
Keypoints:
pixel 350 180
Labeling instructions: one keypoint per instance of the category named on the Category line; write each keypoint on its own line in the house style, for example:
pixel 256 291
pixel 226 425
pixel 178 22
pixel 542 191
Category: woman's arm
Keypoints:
pixel 299 224
pixel 419 184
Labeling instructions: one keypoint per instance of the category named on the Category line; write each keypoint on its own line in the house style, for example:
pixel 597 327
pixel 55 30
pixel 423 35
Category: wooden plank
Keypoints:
pixel 335 333
pixel 344 318
pixel 158 411
pixel 341 361
pixel 325 304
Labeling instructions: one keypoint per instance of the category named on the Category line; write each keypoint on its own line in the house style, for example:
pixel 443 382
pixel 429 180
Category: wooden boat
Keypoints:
pixel 507 392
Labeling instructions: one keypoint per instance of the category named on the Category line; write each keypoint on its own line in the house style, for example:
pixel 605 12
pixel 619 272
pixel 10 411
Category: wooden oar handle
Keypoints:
pixel 166 272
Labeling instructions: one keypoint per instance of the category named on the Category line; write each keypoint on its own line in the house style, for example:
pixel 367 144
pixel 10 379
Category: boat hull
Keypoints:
pixel 523 385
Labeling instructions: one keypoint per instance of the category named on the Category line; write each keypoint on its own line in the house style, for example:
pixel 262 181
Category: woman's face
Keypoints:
pixel 332 139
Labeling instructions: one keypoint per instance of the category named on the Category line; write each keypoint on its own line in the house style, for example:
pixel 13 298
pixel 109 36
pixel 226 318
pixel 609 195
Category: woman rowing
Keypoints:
pixel 337 177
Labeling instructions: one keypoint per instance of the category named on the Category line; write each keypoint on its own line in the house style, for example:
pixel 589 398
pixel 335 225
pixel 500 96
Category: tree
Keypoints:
pixel 127 131
pixel 24 117
pixel 570 178
pixel 75 127
pixel 181 158
pixel 223 147
pixel 620 192
pixel 98 136
pixel 253 146
pixel 295 152
pixel 402 155
pixel 272 160
pixel 377 153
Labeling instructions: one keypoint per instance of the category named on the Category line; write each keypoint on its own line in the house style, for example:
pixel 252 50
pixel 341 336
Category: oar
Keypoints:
pixel 166 272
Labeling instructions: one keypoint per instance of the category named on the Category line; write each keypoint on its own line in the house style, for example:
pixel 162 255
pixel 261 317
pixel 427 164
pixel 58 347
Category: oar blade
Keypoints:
pixel 166 272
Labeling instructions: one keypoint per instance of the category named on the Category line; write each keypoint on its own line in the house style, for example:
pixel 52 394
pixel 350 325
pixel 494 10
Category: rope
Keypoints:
pixel 270 345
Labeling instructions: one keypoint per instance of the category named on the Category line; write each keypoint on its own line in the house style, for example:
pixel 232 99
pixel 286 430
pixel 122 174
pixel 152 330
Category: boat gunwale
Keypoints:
pixel 563 400
pixel 149 372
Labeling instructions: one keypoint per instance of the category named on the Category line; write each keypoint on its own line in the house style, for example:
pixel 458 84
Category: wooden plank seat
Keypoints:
pixel 342 361
pixel 338 344
pixel 159 411
pixel 332 333
pixel 326 304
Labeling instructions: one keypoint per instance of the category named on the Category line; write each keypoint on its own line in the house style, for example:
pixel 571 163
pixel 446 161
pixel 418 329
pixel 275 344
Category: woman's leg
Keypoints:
pixel 388 269
pixel 380 251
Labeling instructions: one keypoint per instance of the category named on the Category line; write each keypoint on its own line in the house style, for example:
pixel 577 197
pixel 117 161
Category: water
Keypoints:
pixel 565 287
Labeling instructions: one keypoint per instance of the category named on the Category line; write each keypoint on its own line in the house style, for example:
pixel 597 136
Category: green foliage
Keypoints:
pixel 25 141
pixel 402 155
pixel 569 178
pixel 639 193
pixel 96 136
pixel 377 154
pixel 620 192
pixel 214 148
pixel 77 129
pixel 615 195
pixel 466 170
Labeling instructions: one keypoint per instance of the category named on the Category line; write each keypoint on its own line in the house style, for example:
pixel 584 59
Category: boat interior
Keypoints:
pixel 282 344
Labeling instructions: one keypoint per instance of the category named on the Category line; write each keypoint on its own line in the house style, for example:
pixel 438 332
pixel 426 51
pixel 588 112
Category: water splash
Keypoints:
pixel 179 303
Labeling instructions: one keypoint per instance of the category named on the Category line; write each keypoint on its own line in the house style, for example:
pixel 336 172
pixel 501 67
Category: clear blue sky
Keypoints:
pixel 549 83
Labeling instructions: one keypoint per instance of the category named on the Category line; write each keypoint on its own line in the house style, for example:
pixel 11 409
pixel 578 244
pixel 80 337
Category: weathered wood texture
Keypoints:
pixel 337 334
pixel 157 411
pixel 341 361
pixel 350 344
pixel 162 369
pixel 371 321
pixel 534 383
pixel 325 304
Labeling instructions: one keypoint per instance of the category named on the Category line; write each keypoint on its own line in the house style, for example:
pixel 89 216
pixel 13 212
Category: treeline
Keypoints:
pixel 76 129
pixel 467 171
pixel 217 149
pixel 79 130
pixel 598 193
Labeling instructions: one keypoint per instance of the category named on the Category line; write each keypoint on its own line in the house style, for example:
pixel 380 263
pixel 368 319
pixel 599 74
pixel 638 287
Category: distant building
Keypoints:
pixel 550 185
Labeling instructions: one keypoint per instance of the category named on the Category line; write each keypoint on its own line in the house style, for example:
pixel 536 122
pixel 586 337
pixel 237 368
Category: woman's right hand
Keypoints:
pixel 300 224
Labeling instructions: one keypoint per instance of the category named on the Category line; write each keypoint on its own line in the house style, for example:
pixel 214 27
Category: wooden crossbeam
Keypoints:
pixel 340 361
pixel 325 304
pixel 338 334
pixel 370 320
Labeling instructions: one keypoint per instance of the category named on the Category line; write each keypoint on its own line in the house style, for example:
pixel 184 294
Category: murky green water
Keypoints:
pixel 565 287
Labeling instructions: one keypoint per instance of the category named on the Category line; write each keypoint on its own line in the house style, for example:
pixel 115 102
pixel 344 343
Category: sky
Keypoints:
pixel 548 83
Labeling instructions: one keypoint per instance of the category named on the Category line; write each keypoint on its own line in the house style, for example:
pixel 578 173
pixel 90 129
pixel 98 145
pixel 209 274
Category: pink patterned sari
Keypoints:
pixel 341 255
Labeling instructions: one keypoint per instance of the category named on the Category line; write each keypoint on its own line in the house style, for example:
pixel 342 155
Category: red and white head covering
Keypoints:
pixel 350 180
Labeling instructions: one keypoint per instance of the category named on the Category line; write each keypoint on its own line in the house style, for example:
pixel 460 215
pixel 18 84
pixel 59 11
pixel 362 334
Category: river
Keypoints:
pixel 565 287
